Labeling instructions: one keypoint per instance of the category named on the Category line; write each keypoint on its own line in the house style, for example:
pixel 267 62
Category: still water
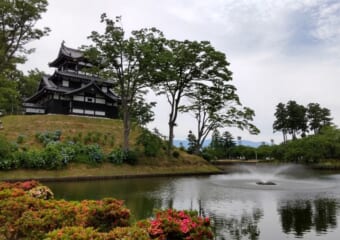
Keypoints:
pixel 303 204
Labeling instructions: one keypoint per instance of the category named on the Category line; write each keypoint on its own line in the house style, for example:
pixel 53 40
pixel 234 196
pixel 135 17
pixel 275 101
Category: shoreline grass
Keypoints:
pixel 106 170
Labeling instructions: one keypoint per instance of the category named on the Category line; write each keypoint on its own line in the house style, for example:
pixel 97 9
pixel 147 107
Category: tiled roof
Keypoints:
pixel 83 76
pixel 71 52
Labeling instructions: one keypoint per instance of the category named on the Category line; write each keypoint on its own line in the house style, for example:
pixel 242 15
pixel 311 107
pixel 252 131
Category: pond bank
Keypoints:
pixel 83 172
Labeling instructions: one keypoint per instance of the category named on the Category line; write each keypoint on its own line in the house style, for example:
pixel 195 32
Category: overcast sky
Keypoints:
pixel 279 50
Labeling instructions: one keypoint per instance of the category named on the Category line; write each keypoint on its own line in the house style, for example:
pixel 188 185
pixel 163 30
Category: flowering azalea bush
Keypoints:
pixel 28 212
pixel 173 224
pixel 80 233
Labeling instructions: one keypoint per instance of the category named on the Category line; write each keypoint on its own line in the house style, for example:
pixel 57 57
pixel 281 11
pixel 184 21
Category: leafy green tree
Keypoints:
pixel 17 29
pixel 297 118
pixel 318 117
pixel 9 95
pixel 291 119
pixel 220 145
pixel 142 112
pixel 178 65
pixel 192 142
pixel 281 121
pixel 217 106
pixel 186 69
pixel 126 60
pixel 28 84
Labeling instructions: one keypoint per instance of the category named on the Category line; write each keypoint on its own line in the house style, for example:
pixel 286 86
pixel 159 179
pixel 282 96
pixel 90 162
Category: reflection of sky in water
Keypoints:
pixel 241 209
pixel 306 207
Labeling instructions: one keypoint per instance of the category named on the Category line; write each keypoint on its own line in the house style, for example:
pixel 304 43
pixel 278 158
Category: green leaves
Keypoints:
pixel 17 29
pixel 292 118
pixel 129 61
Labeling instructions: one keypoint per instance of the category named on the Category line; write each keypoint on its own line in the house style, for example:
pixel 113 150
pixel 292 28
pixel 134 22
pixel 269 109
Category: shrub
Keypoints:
pixel 21 139
pixel 47 137
pixel 95 153
pixel 5 148
pixel 52 156
pixel 151 142
pixel 9 164
pixel 131 157
pixel 173 224
pixel 106 214
pixel 74 233
pixel 175 154
pixel 25 217
pixel 207 156
pixel 80 233
pixel 127 233
pixel 117 156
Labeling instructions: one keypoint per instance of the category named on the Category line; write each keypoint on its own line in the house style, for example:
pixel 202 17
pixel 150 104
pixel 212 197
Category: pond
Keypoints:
pixel 300 204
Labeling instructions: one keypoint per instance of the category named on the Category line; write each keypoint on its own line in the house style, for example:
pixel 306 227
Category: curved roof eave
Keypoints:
pixel 66 52
pixel 92 83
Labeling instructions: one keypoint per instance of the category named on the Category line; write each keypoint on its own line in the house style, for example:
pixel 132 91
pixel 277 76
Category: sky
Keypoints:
pixel 279 50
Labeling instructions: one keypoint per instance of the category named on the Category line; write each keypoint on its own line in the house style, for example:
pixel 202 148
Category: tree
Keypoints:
pixel 297 119
pixel 9 96
pixel 290 119
pixel 125 60
pixel 28 84
pixel 239 139
pixel 178 64
pixel 192 142
pixel 17 22
pixel 186 67
pixel 281 121
pixel 217 106
pixel 318 117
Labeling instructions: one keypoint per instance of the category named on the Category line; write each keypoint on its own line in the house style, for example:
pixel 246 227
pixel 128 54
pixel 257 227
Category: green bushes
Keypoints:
pixel 57 155
pixel 119 156
pixel 94 153
pixel 151 142
pixel 47 137
pixel 24 216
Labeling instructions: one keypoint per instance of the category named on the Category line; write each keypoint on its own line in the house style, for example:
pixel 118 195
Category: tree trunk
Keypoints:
pixel 171 137
pixel 126 128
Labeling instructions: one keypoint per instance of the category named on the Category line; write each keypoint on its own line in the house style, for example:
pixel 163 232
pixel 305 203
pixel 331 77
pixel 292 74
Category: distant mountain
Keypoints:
pixel 184 142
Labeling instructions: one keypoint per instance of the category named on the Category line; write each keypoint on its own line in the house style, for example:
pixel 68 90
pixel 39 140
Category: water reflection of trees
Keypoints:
pixel 301 216
pixel 244 226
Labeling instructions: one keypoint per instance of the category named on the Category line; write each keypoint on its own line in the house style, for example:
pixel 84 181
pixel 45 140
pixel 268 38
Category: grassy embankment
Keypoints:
pixel 110 136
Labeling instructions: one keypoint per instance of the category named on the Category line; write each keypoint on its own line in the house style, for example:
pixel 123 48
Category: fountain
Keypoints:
pixel 266 174
pixel 265 183
pixel 289 177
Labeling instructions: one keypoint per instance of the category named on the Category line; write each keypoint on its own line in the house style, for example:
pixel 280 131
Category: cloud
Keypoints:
pixel 278 50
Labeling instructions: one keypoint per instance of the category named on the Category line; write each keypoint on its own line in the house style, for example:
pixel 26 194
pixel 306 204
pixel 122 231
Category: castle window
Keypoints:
pixel 88 99
pixel 100 100
pixel 65 83
pixel 78 98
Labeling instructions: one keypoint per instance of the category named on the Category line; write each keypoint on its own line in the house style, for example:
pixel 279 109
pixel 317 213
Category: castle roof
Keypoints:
pixel 66 53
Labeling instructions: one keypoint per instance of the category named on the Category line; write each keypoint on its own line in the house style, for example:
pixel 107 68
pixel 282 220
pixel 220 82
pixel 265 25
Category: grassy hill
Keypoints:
pixel 107 133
